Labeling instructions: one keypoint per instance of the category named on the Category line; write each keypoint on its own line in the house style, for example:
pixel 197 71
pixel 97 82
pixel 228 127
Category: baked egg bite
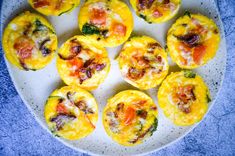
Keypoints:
pixel 193 40
pixel 71 112
pixel 143 62
pixel 184 98
pixel 130 117
pixel 29 41
pixel 156 11
pixel 83 63
pixel 54 7
pixel 109 22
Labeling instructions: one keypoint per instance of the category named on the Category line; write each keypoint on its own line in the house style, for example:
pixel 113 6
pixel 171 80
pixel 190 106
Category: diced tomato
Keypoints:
pixel 198 53
pixel 129 115
pixel 119 29
pixel 98 17
pixel 76 62
pixel 60 108
pixel 40 3
pixel 157 13
pixel 24 47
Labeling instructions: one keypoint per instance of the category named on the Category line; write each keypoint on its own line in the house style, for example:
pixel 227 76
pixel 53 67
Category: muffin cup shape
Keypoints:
pixel 29 41
pixel 109 23
pixel 130 117
pixel 71 112
pixel 184 98
pixel 193 40
pixel 143 62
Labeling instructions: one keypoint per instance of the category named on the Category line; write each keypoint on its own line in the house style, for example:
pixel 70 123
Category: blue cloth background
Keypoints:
pixel 20 134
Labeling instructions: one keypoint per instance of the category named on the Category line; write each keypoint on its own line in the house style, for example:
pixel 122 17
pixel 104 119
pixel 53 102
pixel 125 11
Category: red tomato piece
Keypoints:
pixel 98 17
pixel 60 108
pixel 198 53
pixel 119 29
pixel 129 115
pixel 40 3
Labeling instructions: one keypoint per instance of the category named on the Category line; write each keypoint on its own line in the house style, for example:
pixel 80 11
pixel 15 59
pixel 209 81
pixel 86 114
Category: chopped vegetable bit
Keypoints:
pixel 189 74
pixel 89 29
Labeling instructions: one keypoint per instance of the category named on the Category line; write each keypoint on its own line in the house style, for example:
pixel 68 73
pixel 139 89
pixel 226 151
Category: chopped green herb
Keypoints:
pixel 208 98
pixel 41 27
pixel 189 74
pixel 187 13
pixel 154 126
pixel 89 29
pixel 138 112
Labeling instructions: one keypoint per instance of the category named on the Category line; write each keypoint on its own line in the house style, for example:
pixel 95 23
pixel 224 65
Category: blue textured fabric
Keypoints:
pixel 20 134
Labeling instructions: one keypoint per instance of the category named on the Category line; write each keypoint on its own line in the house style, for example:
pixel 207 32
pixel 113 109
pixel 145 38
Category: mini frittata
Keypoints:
pixel 29 41
pixel 71 112
pixel 54 7
pixel 108 22
pixel 184 98
pixel 143 62
pixel 156 11
pixel 130 117
pixel 83 63
pixel 193 40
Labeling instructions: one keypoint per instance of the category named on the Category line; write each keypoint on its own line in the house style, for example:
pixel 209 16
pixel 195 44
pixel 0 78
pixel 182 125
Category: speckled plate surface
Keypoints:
pixel 34 87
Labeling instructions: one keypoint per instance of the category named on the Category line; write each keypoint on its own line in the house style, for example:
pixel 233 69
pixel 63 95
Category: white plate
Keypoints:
pixel 34 87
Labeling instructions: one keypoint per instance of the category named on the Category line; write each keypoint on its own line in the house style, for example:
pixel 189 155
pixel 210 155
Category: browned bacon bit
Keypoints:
pixel 159 59
pixel 142 113
pixel 145 4
pixel 185 95
pixel 152 46
pixel 23 65
pixel 83 107
pixel 166 1
pixel 153 108
pixel 119 109
pixel 135 74
pixel 190 39
pixel 40 3
pixel 88 63
pixel 120 106
pixel 61 119
pixel 82 79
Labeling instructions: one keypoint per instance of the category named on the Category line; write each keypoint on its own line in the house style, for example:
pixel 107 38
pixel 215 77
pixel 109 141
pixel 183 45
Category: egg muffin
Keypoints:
pixel 156 11
pixel 130 117
pixel 143 62
pixel 108 22
pixel 193 40
pixel 54 7
pixel 83 63
pixel 29 41
pixel 71 112
pixel 184 98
